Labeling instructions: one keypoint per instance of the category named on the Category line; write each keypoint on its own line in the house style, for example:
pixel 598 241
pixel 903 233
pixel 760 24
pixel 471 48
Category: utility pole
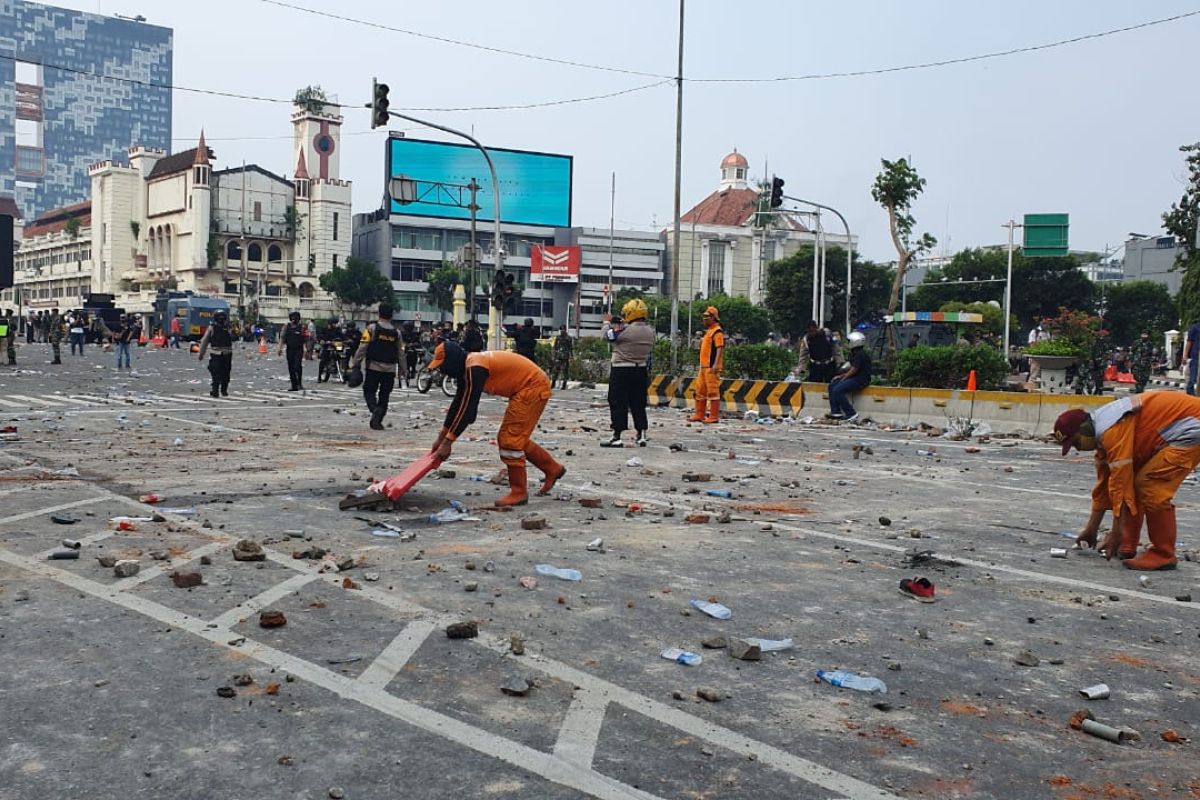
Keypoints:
pixel 474 209
pixel 612 220
pixel 1012 225
pixel 678 179
pixel 849 250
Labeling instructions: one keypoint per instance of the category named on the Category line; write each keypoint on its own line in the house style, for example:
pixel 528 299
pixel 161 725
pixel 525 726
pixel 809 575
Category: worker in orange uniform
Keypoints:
pixel 503 374
pixel 1145 446
pixel 712 359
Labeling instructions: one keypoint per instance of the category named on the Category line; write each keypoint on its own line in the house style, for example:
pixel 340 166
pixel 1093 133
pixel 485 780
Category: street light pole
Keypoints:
pixel 1011 225
pixel 678 180
pixel 849 249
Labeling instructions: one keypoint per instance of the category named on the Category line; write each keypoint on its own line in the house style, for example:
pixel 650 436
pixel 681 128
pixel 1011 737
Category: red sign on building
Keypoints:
pixel 555 264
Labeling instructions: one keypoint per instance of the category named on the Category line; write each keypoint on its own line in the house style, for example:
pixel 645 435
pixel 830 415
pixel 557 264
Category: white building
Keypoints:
pixel 160 221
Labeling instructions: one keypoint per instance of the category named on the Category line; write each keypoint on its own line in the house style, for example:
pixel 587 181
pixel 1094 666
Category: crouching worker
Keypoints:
pixel 503 374
pixel 1145 446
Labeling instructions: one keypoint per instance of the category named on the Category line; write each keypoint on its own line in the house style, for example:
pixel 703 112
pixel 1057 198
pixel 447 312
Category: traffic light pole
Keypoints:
pixel 849 250
pixel 497 246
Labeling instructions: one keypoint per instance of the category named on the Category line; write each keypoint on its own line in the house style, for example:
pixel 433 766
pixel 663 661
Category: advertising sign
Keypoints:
pixel 555 264
pixel 535 188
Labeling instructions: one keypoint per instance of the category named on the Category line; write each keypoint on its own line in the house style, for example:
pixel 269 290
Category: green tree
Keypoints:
pixel 293 223
pixel 789 290
pixel 311 98
pixel 740 318
pixel 71 227
pixel 1182 221
pixel 441 286
pixel 359 284
pixel 1135 306
pixel 993 317
pixel 895 188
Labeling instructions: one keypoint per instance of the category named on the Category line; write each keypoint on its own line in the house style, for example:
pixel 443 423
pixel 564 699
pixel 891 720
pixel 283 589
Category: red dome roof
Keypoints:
pixel 734 159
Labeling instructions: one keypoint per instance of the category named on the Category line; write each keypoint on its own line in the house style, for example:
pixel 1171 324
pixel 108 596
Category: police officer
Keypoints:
pixel 54 333
pixel 526 340
pixel 632 341
pixel 383 350
pixel 219 339
pixel 292 337
pixel 412 348
pixel 8 332
pixel 817 354
pixel 1142 357
pixel 564 348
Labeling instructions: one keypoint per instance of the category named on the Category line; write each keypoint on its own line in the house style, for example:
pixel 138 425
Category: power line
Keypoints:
pixel 548 103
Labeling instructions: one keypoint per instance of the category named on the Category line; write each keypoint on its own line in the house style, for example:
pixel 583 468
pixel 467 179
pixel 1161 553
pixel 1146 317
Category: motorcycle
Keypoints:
pixel 427 378
pixel 334 360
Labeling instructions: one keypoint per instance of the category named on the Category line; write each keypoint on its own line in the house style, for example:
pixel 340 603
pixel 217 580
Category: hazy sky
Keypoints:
pixel 1090 128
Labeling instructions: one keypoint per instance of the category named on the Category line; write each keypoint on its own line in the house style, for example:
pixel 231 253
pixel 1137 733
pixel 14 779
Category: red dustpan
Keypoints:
pixel 394 487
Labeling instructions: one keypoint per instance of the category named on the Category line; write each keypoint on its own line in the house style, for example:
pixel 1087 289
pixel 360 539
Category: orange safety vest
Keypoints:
pixel 712 348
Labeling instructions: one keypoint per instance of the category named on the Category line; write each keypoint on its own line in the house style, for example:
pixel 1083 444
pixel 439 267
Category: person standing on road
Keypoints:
pixel 8 332
pixel 54 334
pixel 383 350
pixel 292 337
pixel 411 339
pixel 564 348
pixel 1145 446
pixel 527 388
pixel 176 328
pixel 712 361
pixel 310 339
pixel 1140 360
pixel 817 354
pixel 526 340
pixel 632 343
pixel 219 339
pixel 31 326
pixel 75 326
pixel 125 335
pixel 1191 355
pixel 472 340
pixel 856 376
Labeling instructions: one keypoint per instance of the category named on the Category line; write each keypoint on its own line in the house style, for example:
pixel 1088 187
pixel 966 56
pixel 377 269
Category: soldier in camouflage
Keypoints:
pixel 55 335
pixel 1142 358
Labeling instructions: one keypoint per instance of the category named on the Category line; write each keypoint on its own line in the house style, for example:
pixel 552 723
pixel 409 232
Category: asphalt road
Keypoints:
pixel 109 686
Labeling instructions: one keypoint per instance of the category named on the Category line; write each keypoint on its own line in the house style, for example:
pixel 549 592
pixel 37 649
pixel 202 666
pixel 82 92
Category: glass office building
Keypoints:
pixel 76 88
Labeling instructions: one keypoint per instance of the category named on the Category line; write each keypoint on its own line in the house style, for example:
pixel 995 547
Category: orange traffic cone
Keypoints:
pixel 971 381
pixel 262 347
pixel 142 339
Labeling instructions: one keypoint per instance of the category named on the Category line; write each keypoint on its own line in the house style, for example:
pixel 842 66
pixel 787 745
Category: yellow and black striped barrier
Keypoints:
pixel 767 398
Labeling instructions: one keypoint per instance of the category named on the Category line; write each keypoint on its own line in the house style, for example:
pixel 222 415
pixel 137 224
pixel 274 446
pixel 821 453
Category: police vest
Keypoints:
pixel 383 346
pixel 293 335
pixel 221 337
pixel 819 347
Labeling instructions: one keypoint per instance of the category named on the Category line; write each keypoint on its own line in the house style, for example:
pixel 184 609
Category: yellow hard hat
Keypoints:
pixel 634 309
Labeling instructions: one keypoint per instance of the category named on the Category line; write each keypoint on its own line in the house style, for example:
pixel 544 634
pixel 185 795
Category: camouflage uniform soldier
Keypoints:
pixel 9 324
pixel 1143 355
pixel 55 335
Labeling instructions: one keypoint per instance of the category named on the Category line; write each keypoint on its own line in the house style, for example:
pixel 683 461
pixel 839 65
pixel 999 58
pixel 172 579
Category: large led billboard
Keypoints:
pixel 535 188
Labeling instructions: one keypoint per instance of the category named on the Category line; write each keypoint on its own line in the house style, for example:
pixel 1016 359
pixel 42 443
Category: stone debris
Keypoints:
pixel 745 650
pixel 243 679
pixel 715 642
pixel 697 477
pixel 336 792
pixel 248 550
pixel 126 568
pixel 271 619
pixel 1027 659
pixel 186 580
pixel 471 586
pixel 591 502
pixel 697 518
pixel 709 694
pixel 226 692
pixel 467 629
pixel 516 686
pixel 534 522
pixel 516 644
pixel 108 562
pixel 596 545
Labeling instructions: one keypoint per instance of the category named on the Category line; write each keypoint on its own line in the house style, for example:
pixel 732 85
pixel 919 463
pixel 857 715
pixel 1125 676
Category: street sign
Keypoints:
pixel 1045 235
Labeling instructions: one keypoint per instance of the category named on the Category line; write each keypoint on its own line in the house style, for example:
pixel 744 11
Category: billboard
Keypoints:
pixel 535 188
pixel 555 264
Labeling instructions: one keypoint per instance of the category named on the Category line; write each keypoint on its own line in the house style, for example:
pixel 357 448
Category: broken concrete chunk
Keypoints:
pixel 706 693
pixel 226 691
pixel 591 502
pixel 248 550
pixel 715 642
pixel 516 686
pixel 108 562
pixel 271 619
pixel 745 650
pixel 126 568
pixel 186 580
pixel 1027 659
pixel 697 477
pixel 534 522
pixel 697 518
pixel 516 644
pixel 467 629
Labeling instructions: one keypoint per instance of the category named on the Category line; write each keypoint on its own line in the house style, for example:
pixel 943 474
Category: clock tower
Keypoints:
pixel 322 197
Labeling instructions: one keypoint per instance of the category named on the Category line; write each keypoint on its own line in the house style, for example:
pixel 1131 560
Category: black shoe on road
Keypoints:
pixel 377 419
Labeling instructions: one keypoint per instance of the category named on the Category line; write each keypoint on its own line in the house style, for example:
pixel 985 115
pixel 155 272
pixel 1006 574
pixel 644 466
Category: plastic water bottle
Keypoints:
pixel 927 452
pixel 455 513
pixel 714 610
pixel 558 572
pixel 848 680
pixel 684 657
pixel 719 493
pixel 843 482
pixel 773 645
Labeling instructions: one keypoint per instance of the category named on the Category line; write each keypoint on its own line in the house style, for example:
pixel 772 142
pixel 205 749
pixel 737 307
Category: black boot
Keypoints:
pixel 377 419
pixel 615 441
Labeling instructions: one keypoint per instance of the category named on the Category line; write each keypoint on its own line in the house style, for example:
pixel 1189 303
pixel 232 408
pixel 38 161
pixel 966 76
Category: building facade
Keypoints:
pixel 75 88
pixel 634 259
pixel 1152 258
pixel 722 251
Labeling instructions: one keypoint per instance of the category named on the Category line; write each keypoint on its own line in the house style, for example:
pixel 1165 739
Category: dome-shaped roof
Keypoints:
pixel 734 159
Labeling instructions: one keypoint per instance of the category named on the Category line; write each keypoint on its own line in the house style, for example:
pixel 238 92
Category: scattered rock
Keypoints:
pixel 271 619
pixel 591 502
pixel 468 629
pixel 159 555
pixel 516 644
pixel 697 518
pixel 244 679
pixel 186 580
pixel 248 550
pixel 697 477
pixel 1078 717
pixel 347 583
pixel 1027 659
pixel 205 561
pixel 345 563
pixel 337 792
pixel 1172 736
pixel 725 517
pixel 371 576
pixel 885 521
pixel 516 686
pixel 226 691
pixel 446 473
pixel 745 650
pixel 715 642
pixel 126 568
pixel 471 586
pixel 1183 598
pixel 534 522
pixel 706 693
pixel 311 554
pixel 108 562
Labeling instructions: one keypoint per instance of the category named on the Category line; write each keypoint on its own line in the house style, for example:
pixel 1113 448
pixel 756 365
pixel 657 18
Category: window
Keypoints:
pixel 233 252
pixel 254 252
pixel 335 232
pixel 716 267
pixel 769 250
pixel 741 174
pixel 231 287
pixel 417 239
pixel 274 254
pixel 258 212
pixel 415 271
pixel 335 266
pixel 306 291
pixel 274 291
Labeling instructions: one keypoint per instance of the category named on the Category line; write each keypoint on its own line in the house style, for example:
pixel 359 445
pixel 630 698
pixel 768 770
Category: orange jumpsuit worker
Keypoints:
pixel 712 359
pixel 1145 446
pixel 508 375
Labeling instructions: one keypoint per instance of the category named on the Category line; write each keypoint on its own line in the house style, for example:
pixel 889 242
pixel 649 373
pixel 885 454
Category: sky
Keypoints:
pixel 1091 128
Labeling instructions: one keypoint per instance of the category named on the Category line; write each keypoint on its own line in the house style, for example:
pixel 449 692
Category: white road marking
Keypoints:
pixel 580 731
pixel 163 567
pixel 11 404
pixel 35 401
pixel 260 601
pixel 393 658
pixel 62 507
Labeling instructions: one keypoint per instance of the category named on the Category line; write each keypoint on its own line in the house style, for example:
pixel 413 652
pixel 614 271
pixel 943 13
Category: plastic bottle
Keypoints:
pixel 842 482
pixel 684 657
pixel 927 452
pixel 848 680
pixel 558 572
pixel 719 493
pixel 151 498
pixel 456 512
pixel 478 478
pixel 773 645
pixel 714 610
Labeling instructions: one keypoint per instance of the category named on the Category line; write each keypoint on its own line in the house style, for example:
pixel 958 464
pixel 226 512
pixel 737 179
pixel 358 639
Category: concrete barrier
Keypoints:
pixel 767 398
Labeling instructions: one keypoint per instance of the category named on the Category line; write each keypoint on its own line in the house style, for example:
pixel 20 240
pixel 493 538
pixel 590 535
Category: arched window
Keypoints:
pixel 274 254
pixel 254 252
pixel 306 291
pixel 166 252
pixel 233 252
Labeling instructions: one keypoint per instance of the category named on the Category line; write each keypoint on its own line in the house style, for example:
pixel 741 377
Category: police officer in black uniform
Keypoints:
pixel 383 351
pixel 412 349
pixel 292 338
pixel 219 339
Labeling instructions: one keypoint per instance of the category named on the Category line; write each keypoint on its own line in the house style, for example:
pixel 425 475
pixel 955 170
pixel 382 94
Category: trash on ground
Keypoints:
pixel 150 498
pixel 684 657
pixel 1058 552
pixel 848 680
pixel 773 645
pixel 919 589
pixel 635 462
pixel 528 582
pixel 63 554
pixel 63 519
pixel 714 610
pixel 516 686
pixel 719 493
pixel 596 545
pixel 558 572
pixel 456 512
pixel 69 472
pixel 1098 692
pixel 1108 732
pixel 745 650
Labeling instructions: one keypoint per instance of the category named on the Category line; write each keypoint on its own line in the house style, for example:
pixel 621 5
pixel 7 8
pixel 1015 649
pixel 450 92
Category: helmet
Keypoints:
pixel 634 309
pixel 712 311
pixel 294 316
pixel 450 358
pixel 856 339
pixel 221 316
pixel 529 322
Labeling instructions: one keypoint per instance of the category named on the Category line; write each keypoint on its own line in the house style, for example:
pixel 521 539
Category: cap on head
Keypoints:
pixel 529 322
pixel 1066 427
pixel 711 311
pixel 450 358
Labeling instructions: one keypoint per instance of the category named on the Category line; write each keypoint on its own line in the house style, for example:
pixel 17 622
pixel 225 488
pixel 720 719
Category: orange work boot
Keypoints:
pixel 714 412
pixel 1160 527
pixel 1131 537
pixel 698 414
pixel 546 463
pixel 517 493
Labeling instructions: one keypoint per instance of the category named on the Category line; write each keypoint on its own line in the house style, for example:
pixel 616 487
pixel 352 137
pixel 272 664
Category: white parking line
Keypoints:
pixel 63 507
pixel 393 658
pixel 35 401
pixel 260 601
pixel 580 732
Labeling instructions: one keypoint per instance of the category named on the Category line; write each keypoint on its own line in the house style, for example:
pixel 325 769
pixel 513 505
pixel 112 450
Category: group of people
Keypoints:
pixel 75 325
pixel 820 357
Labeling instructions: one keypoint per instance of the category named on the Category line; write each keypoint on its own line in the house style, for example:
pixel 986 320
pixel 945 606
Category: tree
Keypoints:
pixel 1135 306
pixel 441 286
pixel 789 290
pixel 895 188
pixel 311 98
pixel 1182 221
pixel 358 284
pixel 740 318
pixel 71 227
pixel 293 222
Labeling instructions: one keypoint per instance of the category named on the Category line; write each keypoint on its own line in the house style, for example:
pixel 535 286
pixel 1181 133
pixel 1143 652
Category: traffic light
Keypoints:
pixel 509 291
pixel 498 290
pixel 776 191
pixel 379 105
